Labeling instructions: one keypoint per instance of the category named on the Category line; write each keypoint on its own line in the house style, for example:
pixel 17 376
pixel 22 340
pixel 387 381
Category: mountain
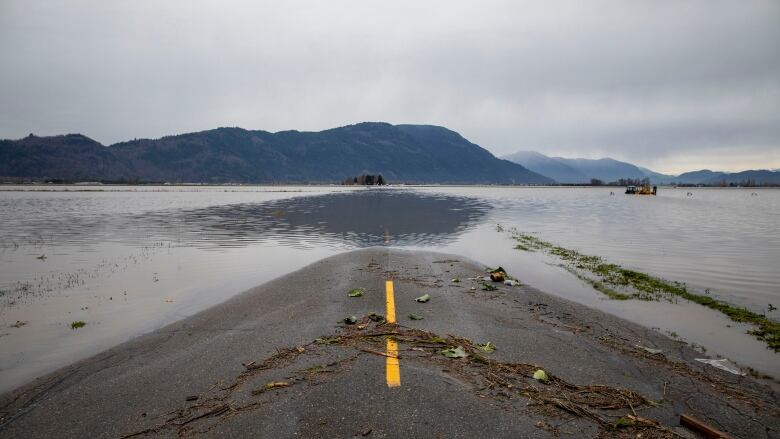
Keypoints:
pixel 72 156
pixel 605 169
pixel 402 153
pixel 578 171
pixel 747 178
pixel 657 177
pixel 698 177
pixel 548 166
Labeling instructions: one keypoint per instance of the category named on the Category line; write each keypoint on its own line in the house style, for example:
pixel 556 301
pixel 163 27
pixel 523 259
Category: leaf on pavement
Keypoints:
pixel 424 298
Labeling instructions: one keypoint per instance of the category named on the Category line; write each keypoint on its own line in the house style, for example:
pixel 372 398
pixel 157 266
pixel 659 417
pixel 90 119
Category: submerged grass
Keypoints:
pixel 621 283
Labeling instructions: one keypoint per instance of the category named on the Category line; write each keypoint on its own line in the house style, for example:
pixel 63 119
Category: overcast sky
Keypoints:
pixel 671 85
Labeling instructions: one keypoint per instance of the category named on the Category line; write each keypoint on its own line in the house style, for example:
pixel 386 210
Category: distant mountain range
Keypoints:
pixel 581 171
pixel 401 153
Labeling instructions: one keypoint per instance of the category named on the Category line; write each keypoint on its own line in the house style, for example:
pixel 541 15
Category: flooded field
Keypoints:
pixel 127 260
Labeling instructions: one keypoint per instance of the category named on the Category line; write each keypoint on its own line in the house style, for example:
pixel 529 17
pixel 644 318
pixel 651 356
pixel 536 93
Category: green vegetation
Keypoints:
pixel 621 283
pixel 486 347
pixel 77 324
pixel 488 287
pixel 356 292
pixel 424 298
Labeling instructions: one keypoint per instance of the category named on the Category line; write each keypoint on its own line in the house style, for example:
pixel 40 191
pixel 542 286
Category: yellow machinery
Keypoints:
pixel 641 190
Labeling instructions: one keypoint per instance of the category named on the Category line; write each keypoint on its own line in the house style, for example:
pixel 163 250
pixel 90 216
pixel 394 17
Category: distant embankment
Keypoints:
pixel 401 153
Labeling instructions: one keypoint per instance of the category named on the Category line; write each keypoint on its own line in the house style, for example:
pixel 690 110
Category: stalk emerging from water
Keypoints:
pixel 621 283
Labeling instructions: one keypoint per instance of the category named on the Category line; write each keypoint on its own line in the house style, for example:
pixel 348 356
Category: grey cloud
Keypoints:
pixel 656 82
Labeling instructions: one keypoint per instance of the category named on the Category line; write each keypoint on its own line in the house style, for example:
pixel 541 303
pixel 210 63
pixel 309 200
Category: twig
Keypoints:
pixel 380 353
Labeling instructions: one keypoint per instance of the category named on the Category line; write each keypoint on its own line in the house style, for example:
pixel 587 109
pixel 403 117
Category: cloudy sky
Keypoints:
pixel 671 85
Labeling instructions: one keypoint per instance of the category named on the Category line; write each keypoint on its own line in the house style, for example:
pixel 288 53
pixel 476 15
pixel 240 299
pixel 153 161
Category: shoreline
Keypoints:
pixel 158 371
pixel 86 187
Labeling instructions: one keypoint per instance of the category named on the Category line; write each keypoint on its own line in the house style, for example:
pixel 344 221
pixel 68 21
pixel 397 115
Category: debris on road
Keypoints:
pixel 541 375
pixel 415 317
pixel 700 427
pixel 424 298
pixel 722 364
pixel 351 320
pixel 498 274
pixel 486 376
pixel 455 280
pixel 78 324
pixel 454 352
pixel 383 354
pixel 356 292
pixel 486 347
pixel 634 421
pixel 511 282
pixel 489 287
pixel 270 386
pixel 649 350
pixel 374 317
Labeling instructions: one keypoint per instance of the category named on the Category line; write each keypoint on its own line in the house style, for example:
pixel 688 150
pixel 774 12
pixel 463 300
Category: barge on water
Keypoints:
pixel 641 190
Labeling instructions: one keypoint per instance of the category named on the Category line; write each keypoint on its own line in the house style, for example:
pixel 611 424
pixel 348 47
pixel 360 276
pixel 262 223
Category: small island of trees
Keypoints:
pixel 365 180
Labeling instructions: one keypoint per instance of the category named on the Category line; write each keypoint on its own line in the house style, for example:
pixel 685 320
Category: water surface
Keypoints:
pixel 127 260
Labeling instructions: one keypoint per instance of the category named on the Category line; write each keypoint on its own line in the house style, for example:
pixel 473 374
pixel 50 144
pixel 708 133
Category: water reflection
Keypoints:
pixel 369 218
pixel 129 261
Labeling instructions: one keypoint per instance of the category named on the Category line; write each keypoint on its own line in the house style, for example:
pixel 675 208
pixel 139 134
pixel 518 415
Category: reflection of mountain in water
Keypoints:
pixel 366 218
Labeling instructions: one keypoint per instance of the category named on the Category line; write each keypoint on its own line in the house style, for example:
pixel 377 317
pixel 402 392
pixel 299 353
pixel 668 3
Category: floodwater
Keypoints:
pixel 128 260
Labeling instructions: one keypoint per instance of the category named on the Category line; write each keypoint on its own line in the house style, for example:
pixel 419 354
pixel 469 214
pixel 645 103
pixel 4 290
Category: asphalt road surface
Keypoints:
pixel 279 361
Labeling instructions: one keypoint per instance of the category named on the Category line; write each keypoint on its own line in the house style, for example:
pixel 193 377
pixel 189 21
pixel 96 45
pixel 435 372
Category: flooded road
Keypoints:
pixel 127 260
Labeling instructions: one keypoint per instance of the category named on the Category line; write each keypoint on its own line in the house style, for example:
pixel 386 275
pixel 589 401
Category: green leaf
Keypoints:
pixel 454 352
pixel 541 375
pixel 77 324
pixel 415 317
pixel 438 340
pixel 351 320
pixel 487 347
pixel 356 292
pixel 424 298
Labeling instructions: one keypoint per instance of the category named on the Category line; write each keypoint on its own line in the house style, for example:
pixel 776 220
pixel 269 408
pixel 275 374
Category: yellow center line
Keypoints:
pixel 390 301
pixel 393 369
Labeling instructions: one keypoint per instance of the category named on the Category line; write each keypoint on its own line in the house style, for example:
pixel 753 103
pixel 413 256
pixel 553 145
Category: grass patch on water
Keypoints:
pixel 621 283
